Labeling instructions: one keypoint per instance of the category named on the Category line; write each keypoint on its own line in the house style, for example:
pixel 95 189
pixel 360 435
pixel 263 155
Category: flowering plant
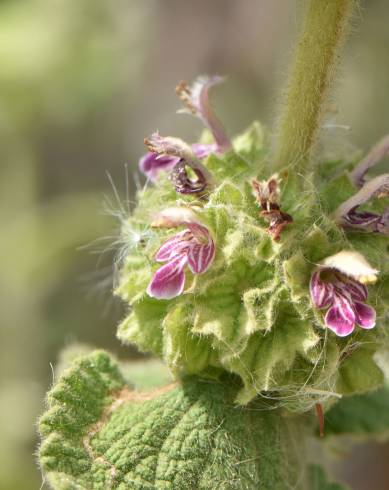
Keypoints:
pixel 265 275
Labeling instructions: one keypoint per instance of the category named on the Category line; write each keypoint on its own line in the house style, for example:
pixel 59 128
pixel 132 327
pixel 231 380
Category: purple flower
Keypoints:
pixel 196 99
pixel 193 248
pixel 348 216
pixel 343 296
pixel 188 174
pixel 151 164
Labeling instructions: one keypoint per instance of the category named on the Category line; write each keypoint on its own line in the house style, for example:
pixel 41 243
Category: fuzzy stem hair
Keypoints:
pixel 323 33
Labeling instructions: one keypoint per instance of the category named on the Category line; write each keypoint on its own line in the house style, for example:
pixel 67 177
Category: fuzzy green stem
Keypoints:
pixel 312 72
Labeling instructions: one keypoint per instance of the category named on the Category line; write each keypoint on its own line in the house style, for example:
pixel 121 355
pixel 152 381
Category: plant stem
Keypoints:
pixel 312 72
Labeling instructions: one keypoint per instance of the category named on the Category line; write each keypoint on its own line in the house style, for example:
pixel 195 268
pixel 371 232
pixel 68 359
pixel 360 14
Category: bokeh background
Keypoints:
pixel 82 82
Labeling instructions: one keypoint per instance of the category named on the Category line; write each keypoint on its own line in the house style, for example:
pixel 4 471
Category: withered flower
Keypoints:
pixel 267 195
pixel 188 175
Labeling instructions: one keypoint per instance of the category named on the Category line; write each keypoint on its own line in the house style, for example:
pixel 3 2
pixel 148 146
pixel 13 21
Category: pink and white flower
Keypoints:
pixel 337 289
pixel 193 248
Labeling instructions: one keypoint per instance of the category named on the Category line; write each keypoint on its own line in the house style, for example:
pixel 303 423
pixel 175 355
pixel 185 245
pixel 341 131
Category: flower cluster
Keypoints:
pixel 330 287
pixel 227 292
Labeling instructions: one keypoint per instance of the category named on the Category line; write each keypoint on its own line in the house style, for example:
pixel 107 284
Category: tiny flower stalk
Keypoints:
pixel 337 286
pixel 193 248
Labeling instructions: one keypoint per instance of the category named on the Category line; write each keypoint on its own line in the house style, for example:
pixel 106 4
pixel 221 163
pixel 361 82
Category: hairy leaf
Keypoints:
pixel 98 433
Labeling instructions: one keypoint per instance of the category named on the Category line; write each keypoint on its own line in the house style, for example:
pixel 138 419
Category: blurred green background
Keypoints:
pixel 82 82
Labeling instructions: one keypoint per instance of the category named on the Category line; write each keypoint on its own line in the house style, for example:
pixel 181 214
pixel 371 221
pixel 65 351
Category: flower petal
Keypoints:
pixel 365 315
pixel 168 145
pixel 151 164
pixel 169 280
pixel 340 318
pixel 321 291
pixel 200 232
pixel 174 246
pixel 200 257
pixel 352 264
pixel 356 290
pixel 174 217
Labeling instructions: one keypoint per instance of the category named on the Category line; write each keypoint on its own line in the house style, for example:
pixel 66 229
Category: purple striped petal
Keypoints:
pixel 202 249
pixel 169 280
pixel 321 292
pixel 174 246
pixel 340 318
pixel 365 315
pixel 356 290
pixel 200 257
pixel 151 164
pixel 200 232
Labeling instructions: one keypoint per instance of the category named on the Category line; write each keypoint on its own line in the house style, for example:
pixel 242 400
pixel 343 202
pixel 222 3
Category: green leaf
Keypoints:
pixel 98 433
pixel 359 371
pixel 361 415
pixel 318 480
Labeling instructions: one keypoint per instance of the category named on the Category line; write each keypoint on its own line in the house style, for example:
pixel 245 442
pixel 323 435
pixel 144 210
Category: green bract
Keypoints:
pixel 251 314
